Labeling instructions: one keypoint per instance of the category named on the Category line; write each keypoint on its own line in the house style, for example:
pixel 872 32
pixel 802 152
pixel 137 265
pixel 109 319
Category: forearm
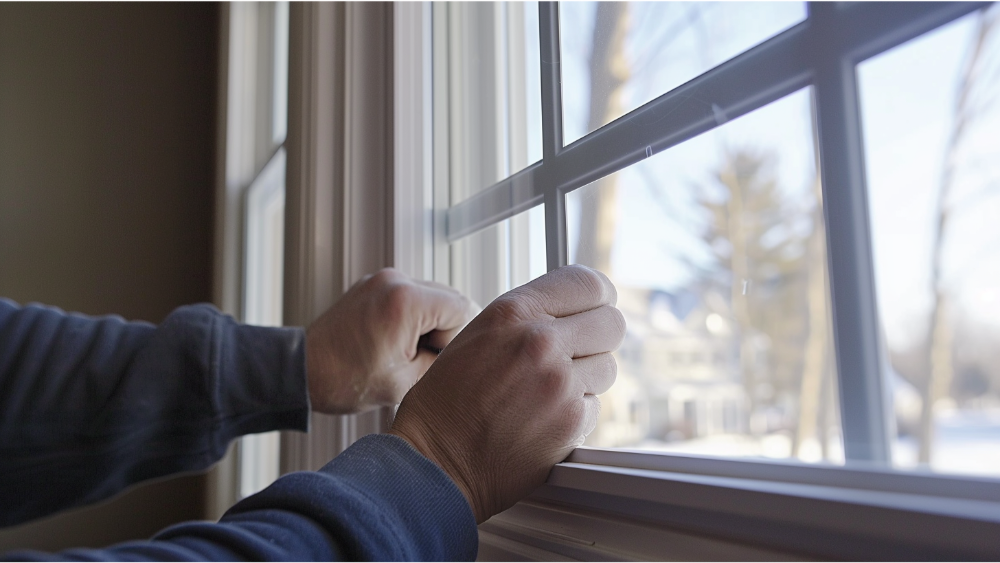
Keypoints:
pixel 89 406
pixel 378 501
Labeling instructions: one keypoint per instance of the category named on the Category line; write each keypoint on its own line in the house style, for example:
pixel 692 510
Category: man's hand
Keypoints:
pixel 366 350
pixel 516 391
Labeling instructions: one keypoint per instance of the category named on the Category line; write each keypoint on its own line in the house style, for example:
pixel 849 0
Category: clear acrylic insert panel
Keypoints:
pixel 494 86
pixel 931 117
pixel 617 56
pixel 717 248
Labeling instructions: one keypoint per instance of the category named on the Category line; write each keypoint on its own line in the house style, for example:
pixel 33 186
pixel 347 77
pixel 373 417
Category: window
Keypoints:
pixel 759 180
pixel 253 206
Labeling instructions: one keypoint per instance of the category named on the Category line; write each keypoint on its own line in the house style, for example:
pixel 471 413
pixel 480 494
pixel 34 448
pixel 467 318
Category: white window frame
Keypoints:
pixel 250 193
pixel 339 191
pixel 606 504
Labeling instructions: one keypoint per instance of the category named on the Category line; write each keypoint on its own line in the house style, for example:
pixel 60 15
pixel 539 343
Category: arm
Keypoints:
pixel 380 500
pixel 513 394
pixel 89 406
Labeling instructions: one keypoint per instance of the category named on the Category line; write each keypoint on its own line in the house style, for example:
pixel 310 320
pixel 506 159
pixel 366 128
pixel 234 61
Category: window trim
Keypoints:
pixel 339 194
pixel 249 144
pixel 608 504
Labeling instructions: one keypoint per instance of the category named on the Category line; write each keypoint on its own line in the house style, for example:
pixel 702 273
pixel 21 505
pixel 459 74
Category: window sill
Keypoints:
pixel 699 508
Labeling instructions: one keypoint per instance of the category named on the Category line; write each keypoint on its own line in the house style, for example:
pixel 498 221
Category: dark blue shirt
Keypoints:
pixel 89 406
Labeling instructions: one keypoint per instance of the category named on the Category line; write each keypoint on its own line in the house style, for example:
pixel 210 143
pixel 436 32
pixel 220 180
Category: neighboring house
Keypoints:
pixel 678 371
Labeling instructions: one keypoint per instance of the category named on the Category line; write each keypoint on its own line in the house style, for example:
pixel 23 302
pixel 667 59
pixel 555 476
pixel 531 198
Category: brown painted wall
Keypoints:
pixel 107 116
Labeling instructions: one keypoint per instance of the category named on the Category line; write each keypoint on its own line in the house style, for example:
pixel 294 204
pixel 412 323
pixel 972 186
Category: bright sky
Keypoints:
pixel 908 96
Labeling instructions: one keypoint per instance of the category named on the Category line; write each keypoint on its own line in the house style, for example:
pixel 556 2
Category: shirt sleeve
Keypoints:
pixel 380 500
pixel 89 406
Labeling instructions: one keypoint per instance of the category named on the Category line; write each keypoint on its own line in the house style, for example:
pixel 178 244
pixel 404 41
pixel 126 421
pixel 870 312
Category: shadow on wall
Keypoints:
pixel 106 191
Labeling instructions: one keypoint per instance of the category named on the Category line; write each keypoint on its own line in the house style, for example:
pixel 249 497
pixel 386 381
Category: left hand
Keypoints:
pixel 365 350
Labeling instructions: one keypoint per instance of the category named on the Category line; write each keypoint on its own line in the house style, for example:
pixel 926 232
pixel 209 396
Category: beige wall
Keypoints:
pixel 106 166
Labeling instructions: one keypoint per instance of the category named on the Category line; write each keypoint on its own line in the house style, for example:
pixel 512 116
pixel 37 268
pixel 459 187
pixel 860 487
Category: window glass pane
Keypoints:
pixel 495 95
pixel 717 248
pixel 931 116
pixel 499 258
pixel 616 56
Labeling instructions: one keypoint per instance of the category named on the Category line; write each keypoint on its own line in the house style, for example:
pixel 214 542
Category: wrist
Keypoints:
pixel 424 448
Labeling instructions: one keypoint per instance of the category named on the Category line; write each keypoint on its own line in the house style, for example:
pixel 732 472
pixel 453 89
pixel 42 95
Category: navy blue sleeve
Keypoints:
pixel 380 500
pixel 89 406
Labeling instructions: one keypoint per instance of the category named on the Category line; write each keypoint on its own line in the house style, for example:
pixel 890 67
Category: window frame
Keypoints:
pixel 250 182
pixel 666 505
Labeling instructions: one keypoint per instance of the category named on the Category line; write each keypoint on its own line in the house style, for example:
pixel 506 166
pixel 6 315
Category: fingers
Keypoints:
pixel 439 311
pixel 590 410
pixel 595 374
pixel 592 332
pixel 571 290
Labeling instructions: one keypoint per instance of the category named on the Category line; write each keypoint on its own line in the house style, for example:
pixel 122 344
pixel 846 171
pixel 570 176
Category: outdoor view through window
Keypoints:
pixel 718 245
pixel 718 252
pixel 931 116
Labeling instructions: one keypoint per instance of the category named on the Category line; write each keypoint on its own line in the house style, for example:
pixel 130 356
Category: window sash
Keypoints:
pixel 821 51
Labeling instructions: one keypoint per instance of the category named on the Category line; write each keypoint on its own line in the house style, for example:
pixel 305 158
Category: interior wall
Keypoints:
pixel 107 116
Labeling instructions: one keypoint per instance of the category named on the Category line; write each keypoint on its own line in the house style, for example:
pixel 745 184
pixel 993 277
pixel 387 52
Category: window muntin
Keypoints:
pixel 930 117
pixel 823 51
pixel 494 91
pixel 717 248
pixel 617 56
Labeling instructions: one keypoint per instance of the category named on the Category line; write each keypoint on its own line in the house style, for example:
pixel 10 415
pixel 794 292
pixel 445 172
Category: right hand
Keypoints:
pixel 516 391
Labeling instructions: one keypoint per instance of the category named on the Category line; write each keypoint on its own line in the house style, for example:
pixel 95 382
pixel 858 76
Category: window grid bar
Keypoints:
pixel 766 73
pixel 552 129
pixel 671 119
pixel 551 79
pixel 863 401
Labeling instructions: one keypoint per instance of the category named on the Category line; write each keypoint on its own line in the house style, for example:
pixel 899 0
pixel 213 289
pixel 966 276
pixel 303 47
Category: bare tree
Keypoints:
pixel 815 366
pixel 763 273
pixel 940 349
pixel 609 71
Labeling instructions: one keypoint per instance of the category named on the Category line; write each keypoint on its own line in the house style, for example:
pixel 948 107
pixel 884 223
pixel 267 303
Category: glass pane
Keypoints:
pixel 495 95
pixel 616 56
pixel 930 115
pixel 721 274
pixel 499 258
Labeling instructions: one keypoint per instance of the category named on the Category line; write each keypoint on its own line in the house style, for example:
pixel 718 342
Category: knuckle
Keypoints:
pixel 541 345
pixel 509 306
pixel 554 381
pixel 398 300
pixel 386 276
